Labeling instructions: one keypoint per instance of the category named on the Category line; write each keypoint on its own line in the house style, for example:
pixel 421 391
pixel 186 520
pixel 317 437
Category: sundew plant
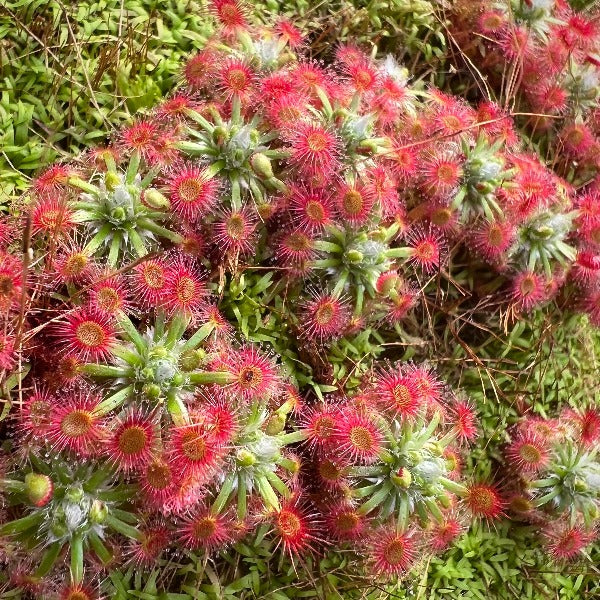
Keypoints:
pixel 223 332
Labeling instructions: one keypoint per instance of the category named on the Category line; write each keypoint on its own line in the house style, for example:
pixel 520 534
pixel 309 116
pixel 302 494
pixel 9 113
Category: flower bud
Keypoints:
pixel 38 488
pixel 245 458
pixel 118 214
pixel 402 478
pixel 275 424
pixel 112 180
pixel 219 135
pixel 74 494
pixel 190 360
pixel 354 256
pixel 261 165
pixel 98 512
pixel 152 391
pixel 178 379
pixel 156 200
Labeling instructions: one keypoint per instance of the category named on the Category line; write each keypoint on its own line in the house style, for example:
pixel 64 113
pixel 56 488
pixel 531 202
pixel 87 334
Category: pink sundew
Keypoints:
pixel 398 393
pixel 319 424
pixel 312 209
pixel 315 150
pixel 309 77
pixel 236 79
pixel 7 352
pixel 287 110
pixel 514 42
pixel 485 501
pixel 362 75
pixel 132 441
pixel 75 426
pixel 427 249
pixel 463 420
pixel 428 384
pixel 193 193
pixel 392 552
pixel 586 269
pixel 528 453
pixel 289 32
pixel 86 334
pixel 354 203
pixel 231 14
pixel 200 68
pixel 551 99
pixel 443 534
pixel 358 437
pixel 296 247
pixel 577 139
pixel 294 528
pixel 254 375
pixel 72 265
pixel 159 483
pixel 176 107
pixel 155 539
pixel 52 216
pixel 53 180
pixel 11 281
pixel 142 137
pixel 403 160
pixel 441 173
pixel 35 414
pixel 332 472
pixel 384 188
pixel 324 317
pixel 454 118
pixel 490 22
pixel 496 124
pixel 195 451
pixel 185 292
pixel 401 303
pixel 221 422
pixel 528 289
pixel 234 232
pixel 108 294
pixel 587 424
pixel 345 523
pixel 493 239
pixel 277 85
pixel 565 542
pixel 149 282
pixel 203 530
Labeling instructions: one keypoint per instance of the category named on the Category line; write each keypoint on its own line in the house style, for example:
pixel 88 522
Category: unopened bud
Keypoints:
pixel 74 494
pixel 261 165
pixel 118 214
pixel 245 458
pixel 98 512
pixel 152 391
pixel 112 180
pixel 219 135
pixel 402 478
pixel 157 200
pixel 38 488
pixel 444 500
pixel 190 360
pixel 354 256
pixel 275 424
